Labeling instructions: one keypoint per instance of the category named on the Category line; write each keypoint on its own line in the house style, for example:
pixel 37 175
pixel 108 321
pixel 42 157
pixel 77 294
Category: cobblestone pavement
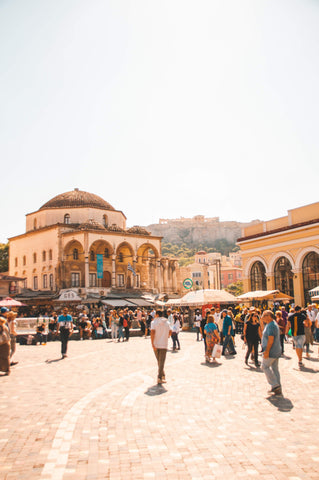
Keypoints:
pixel 99 414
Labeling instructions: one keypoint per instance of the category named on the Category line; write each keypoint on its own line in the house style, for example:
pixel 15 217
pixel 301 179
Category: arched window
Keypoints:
pixel 284 276
pixel 24 260
pixel 16 262
pixel 258 280
pixel 106 253
pixel 75 254
pixel 105 222
pixel 44 256
pixel 35 224
pixel 121 257
pixel 92 256
pixel 310 273
pixel 67 218
pixel 34 258
pixel 50 254
pixel 51 281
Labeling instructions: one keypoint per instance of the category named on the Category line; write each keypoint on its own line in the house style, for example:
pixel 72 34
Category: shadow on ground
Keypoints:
pixel 155 390
pixel 281 403
pixel 54 360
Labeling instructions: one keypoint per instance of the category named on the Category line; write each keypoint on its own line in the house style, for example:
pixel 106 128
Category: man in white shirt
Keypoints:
pixel 161 330
pixel 311 314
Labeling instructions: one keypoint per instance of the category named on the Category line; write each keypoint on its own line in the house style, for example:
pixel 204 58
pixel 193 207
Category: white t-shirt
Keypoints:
pixel 162 328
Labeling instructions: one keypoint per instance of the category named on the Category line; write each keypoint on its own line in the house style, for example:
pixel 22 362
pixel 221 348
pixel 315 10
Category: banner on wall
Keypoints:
pixel 99 266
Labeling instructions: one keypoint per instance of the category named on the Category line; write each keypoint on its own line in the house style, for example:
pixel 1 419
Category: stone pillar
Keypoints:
pixel 134 276
pixel 165 276
pixel 113 271
pixel 298 287
pixel 174 277
pixel 86 271
pixel 159 276
pixel 270 281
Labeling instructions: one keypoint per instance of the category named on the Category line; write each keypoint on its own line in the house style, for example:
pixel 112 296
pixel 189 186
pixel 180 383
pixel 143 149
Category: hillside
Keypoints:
pixel 198 231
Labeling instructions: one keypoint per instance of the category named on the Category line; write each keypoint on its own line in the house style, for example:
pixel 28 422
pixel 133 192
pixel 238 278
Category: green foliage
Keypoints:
pixel 4 257
pixel 236 288
pixel 185 253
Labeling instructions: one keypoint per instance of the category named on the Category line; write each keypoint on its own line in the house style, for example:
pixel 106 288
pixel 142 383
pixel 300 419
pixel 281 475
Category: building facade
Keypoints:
pixel 283 254
pixel 78 240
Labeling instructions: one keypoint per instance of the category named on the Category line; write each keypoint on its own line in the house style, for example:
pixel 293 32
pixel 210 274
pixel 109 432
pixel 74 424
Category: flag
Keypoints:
pixel 131 269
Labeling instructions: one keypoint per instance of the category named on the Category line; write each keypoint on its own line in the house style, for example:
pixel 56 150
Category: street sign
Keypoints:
pixel 188 283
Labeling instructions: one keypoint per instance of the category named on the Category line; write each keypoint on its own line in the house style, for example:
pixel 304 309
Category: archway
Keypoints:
pixel 258 280
pixel 284 276
pixel 310 274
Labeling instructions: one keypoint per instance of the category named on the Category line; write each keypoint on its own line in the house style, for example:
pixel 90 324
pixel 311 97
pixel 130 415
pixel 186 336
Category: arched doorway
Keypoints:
pixel 284 276
pixel 258 280
pixel 310 274
pixel 107 279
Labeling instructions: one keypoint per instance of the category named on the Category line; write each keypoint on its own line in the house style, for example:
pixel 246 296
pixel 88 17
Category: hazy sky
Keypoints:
pixel 164 108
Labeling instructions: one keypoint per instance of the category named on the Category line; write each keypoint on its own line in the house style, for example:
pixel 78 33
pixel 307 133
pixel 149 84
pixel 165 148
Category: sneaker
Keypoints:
pixel 159 381
pixel 13 363
pixel 300 364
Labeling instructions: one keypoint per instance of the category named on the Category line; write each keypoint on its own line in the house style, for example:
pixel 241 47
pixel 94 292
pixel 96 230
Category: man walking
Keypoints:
pixel 271 348
pixel 161 330
pixel 65 326
pixel 296 323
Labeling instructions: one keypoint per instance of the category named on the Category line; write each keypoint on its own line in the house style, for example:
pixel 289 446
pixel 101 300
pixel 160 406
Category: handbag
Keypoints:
pixel 217 351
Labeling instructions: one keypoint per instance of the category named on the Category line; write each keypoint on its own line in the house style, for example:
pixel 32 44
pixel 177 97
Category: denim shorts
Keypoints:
pixel 299 341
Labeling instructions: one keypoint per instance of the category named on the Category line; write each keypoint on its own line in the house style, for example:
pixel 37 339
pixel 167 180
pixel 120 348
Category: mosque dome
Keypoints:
pixel 77 198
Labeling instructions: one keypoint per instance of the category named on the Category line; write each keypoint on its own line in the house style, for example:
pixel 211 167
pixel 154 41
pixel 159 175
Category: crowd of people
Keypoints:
pixel 270 328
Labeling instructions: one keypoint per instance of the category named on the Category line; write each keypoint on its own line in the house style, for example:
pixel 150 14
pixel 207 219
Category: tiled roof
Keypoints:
pixel 77 198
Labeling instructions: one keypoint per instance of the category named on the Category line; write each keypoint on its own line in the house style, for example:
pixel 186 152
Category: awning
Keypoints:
pixel 204 297
pixel 118 302
pixel 264 295
pixel 140 302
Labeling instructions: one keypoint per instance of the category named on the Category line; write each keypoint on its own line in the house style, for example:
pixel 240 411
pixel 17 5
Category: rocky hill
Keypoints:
pixel 197 230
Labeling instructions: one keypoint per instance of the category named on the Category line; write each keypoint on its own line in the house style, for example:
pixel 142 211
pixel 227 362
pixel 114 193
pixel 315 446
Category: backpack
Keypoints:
pixel 125 324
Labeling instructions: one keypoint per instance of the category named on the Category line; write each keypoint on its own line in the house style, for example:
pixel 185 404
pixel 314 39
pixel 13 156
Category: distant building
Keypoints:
pixel 78 240
pixel 214 271
pixel 283 253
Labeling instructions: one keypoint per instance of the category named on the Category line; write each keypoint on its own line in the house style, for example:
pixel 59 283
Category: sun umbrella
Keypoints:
pixel 10 302
pixel 205 297
pixel 264 295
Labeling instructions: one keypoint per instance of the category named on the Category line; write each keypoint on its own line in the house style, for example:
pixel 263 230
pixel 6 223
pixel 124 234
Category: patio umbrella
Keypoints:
pixel 264 295
pixel 10 302
pixel 207 296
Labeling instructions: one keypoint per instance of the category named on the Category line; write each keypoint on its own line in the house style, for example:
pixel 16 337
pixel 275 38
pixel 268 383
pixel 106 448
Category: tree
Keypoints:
pixel 4 257
pixel 236 288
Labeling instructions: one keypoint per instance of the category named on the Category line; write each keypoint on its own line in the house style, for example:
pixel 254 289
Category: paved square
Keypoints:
pixel 99 415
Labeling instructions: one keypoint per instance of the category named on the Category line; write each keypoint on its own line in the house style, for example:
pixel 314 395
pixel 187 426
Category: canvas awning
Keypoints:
pixel 264 295
pixel 314 292
pixel 118 302
pixel 68 296
pixel 203 297
pixel 140 302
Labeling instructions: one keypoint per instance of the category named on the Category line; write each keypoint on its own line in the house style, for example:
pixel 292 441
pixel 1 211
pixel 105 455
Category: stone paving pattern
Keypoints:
pixel 99 414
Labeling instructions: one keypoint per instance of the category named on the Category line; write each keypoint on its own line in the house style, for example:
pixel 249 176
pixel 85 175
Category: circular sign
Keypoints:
pixel 188 283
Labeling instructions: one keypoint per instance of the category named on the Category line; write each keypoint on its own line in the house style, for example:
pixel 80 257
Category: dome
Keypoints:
pixel 77 198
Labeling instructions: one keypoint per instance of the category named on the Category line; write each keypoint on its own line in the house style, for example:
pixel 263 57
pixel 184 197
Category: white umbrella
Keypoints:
pixel 204 297
pixel 264 295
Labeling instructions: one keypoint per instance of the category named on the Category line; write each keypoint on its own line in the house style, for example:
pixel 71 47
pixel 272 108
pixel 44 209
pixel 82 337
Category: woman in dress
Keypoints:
pixel 252 335
pixel 4 347
pixel 212 337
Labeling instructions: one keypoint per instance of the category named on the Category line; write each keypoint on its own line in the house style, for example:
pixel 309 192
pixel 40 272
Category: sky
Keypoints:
pixel 163 108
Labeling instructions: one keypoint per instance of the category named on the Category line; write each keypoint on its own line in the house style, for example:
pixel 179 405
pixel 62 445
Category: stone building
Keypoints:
pixel 283 254
pixel 78 240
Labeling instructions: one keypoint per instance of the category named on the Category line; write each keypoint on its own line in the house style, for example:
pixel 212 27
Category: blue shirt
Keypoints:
pixel 210 327
pixel 65 321
pixel 272 330
pixel 226 324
